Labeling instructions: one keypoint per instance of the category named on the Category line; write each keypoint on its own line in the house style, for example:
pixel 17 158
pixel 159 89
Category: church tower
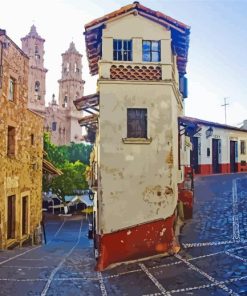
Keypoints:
pixel 33 46
pixel 71 87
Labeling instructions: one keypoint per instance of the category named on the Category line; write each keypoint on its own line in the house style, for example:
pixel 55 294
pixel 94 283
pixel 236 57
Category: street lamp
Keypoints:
pixel 91 194
pixel 209 132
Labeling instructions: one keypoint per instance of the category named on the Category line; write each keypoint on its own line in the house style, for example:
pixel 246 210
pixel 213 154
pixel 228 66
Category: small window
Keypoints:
pixel 242 147
pixel 151 51
pixel 11 95
pixel 208 152
pixel 136 123
pixel 67 67
pixel 54 126
pixel 65 101
pixel 32 139
pixel 36 53
pixel 122 50
pixel 37 86
pixel 11 141
pixel 77 70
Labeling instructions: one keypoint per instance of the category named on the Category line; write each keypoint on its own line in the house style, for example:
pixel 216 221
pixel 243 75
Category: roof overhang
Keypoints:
pixel 49 168
pixel 183 120
pixel 89 121
pixel 86 102
pixel 179 32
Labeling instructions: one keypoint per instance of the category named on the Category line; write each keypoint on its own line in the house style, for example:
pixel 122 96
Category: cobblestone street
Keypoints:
pixel 213 260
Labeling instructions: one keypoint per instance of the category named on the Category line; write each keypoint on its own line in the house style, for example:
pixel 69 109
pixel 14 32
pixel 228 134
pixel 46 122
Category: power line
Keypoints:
pixel 224 105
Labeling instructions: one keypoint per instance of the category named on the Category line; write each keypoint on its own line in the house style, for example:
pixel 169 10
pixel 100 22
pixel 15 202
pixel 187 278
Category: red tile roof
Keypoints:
pixel 186 119
pixel 179 31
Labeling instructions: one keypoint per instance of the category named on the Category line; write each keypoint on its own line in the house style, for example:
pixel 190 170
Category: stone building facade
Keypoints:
pixel 140 56
pixel 61 118
pixel 21 149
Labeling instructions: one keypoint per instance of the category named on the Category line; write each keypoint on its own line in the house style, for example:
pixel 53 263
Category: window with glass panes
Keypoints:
pixel 11 89
pixel 136 123
pixel 242 147
pixel 122 50
pixel 150 51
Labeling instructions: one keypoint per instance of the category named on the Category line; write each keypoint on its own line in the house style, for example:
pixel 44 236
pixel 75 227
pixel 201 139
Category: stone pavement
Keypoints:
pixel 213 260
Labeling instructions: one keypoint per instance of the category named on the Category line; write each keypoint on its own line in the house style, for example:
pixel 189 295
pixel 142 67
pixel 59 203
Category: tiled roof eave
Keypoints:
pixel 86 100
pixel 187 119
pixel 179 31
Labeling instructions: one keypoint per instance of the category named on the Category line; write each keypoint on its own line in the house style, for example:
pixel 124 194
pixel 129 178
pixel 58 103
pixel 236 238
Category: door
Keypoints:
pixel 233 155
pixel 215 156
pixel 24 215
pixel 194 163
pixel 11 217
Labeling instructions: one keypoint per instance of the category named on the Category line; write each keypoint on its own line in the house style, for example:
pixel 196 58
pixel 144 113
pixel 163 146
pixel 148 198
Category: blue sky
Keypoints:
pixel 217 63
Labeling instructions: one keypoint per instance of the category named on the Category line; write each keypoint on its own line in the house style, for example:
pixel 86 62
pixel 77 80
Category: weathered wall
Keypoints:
pixel 20 174
pixel 138 181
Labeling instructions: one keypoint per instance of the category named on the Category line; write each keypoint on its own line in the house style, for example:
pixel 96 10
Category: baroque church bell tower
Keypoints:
pixel 71 87
pixel 33 46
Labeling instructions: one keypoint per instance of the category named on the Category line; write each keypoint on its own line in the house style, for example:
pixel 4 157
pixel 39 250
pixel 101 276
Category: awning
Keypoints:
pixel 49 168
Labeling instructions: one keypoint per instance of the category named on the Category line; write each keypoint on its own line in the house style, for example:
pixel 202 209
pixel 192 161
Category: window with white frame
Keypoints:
pixel 150 51
pixel 242 147
pixel 122 50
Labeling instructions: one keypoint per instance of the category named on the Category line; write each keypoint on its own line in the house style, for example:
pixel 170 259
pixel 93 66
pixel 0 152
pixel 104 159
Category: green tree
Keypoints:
pixel 73 179
pixel 55 154
pixel 68 160
pixel 79 152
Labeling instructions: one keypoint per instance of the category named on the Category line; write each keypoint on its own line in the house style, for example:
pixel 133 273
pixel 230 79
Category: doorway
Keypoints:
pixel 215 156
pixel 24 215
pixel 194 162
pixel 233 156
pixel 11 217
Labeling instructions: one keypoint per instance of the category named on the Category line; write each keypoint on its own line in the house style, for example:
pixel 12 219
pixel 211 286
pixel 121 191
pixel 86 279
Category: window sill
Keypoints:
pixel 137 140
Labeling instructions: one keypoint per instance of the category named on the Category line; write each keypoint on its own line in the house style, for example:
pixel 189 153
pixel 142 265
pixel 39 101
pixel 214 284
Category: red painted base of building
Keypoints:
pixel 225 168
pixel 137 242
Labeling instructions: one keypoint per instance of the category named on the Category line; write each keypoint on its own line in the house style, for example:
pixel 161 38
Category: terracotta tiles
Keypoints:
pixel 129 72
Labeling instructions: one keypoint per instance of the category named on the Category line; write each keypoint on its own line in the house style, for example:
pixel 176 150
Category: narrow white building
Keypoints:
pixel 140 56
pixel 216 148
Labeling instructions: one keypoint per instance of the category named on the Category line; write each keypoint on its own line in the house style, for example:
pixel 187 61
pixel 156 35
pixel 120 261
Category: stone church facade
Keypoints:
pixel 61 118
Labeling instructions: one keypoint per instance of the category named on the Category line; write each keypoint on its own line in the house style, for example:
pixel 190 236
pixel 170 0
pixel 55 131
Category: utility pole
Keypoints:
pixel 224 105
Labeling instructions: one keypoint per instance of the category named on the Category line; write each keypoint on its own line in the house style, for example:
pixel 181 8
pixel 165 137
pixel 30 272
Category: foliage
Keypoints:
pixel 73 178
pixel 72 160
pixel 79 152
pixel 58 155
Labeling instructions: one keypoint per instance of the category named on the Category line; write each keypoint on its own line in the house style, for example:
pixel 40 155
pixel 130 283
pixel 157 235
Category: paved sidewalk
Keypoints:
pixel 213 260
